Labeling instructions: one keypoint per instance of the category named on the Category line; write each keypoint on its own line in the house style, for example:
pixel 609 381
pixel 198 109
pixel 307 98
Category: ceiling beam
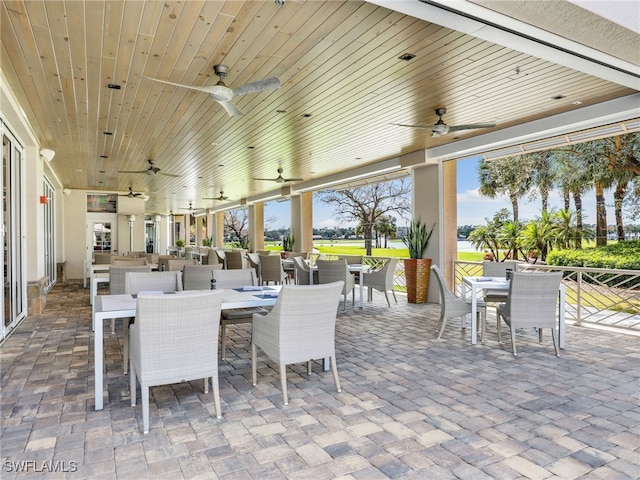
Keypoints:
pixel 488 25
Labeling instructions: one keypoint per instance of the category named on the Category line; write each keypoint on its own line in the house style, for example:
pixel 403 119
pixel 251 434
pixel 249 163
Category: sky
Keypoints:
pixel 472 207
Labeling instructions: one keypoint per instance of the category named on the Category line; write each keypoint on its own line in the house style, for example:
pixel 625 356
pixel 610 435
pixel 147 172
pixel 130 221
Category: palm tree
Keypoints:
pixel 489 236
pixel 507 176
pixel 386 227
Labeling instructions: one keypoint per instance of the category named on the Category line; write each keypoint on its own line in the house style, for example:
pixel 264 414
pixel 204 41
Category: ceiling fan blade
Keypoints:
pixel 168 174
pixel 267 179
pixel 209 89
pixel 230 108
pixel 293 179
pixel 471 126
pixel 424 127
pixel 133 171
pixel 272 83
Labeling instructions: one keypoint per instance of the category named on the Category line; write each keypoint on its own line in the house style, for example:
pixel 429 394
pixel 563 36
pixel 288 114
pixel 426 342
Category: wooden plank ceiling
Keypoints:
pixel 343 88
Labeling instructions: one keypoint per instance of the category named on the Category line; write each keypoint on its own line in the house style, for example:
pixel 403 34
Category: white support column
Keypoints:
pixel 296 221
pixel 218 232
pixel 427 206
pixel 256 226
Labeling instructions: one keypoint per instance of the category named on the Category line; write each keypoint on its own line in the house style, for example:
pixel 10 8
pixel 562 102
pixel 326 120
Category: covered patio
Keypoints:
pixel 411 406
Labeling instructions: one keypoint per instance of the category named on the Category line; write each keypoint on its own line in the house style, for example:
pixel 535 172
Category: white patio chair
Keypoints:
pixel 175 339
pixel 330 271
pixel 271 270
pixel 136 282
pixel 452 306
pixel 299 328
pixel 198 277
pixel 237 278
pixel 116 287
pixel 532 303
pixel 302 272
pixel 497 269
pixel 380 276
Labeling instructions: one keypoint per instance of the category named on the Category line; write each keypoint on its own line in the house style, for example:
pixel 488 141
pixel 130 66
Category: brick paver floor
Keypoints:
pixel 411 406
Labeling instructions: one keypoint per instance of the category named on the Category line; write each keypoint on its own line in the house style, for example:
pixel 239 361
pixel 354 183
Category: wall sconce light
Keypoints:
pixel 47 154
pixel 66 191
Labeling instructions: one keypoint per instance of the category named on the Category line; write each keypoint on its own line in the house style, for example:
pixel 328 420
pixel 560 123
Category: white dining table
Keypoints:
pixel 124 306
pixel 100 274
pixel 475 286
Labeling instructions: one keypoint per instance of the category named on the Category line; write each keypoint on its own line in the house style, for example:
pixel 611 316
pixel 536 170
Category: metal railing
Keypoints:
pixel 597 296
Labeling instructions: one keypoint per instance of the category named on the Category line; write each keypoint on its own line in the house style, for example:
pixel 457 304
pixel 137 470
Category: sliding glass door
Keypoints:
pixel 14 299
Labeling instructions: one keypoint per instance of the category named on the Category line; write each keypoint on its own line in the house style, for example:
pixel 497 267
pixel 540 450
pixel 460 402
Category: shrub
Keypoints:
pixel 619 256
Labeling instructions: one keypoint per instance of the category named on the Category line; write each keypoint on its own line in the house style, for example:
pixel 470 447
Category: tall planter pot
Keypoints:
pixel 417 274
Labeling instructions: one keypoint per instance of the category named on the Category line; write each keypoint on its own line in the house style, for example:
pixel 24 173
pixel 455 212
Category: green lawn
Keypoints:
pixel 344 247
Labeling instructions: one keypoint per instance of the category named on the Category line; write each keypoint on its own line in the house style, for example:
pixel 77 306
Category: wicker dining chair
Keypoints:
pixel 337 270
pixel 136 282
pixel 235 279
pixel 198 277
pixel 175 339
pixel 380 276
pixel 271 270
pixel 452 306
pixel 299 328
pixel 532 302
pixel 116 287
pixel 176 264
pixel 497 269
pixel 254 262
pixel 235 260
pixel 303 273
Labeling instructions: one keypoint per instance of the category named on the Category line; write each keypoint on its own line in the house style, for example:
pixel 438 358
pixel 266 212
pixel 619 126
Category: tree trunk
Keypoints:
pixel 577 201
pixel 514 206
pixel 367 231
pixel 601 216
pixel 618 196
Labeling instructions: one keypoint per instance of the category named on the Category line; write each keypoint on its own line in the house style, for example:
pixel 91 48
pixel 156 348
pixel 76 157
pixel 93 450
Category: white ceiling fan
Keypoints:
pixel 131 194
pixel 152 170
pixel 441 128
pixel 280 178
pixel 223 94
pixel 221 197
pixel 193 211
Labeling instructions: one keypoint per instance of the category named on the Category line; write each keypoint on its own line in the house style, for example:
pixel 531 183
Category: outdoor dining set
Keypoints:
pixel 183 307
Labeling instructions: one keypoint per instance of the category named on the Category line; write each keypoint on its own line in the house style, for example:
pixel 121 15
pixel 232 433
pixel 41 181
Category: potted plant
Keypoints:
pixel 287 244
pixel 417 269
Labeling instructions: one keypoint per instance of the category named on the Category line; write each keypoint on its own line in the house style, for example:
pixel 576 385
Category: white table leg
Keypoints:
pixel 561 314
pixel 474 315
pixel 98 359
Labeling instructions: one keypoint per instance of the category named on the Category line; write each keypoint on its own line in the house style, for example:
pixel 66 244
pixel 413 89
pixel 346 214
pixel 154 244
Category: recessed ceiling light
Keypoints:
pixel 407 56
pixel 103 156
pixel 108 133
pixel 113 86
pixel 250 147
pixel 577 102
pixel 101 171
pixel 557 97
pixel 305 115
pixel 281 111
